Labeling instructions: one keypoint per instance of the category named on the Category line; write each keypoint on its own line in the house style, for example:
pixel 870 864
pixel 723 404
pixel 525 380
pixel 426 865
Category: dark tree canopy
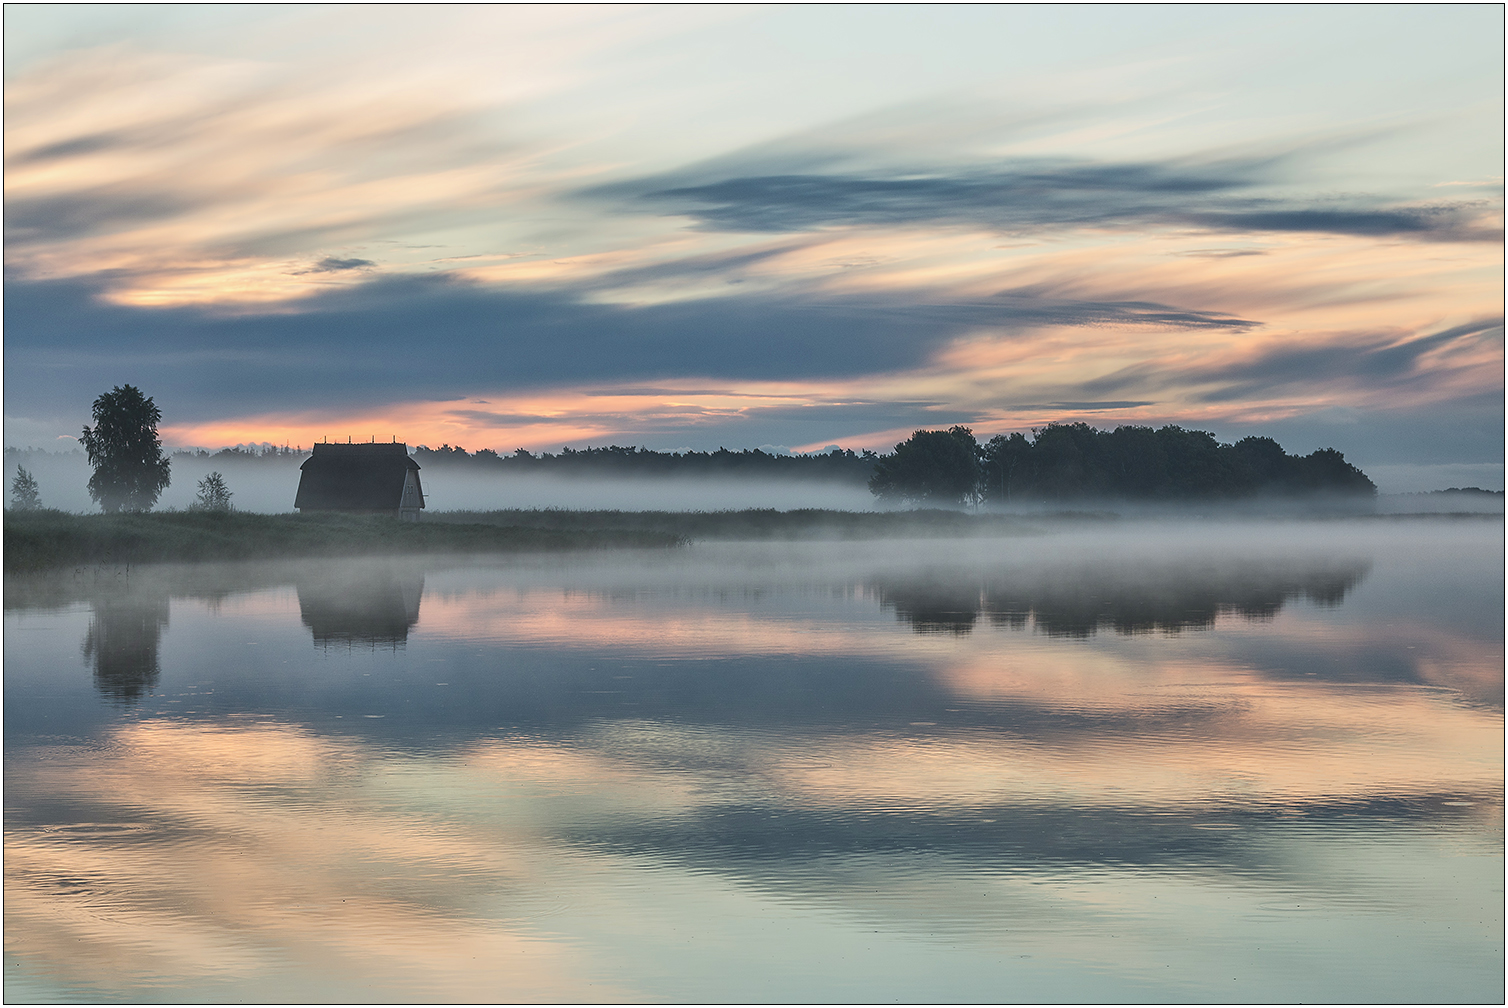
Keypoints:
pixel 1066 462
pixel 836 465
pixel 930 467
pixel 129 468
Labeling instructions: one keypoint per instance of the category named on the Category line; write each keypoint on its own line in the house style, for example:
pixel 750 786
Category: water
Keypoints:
pixel 1211 763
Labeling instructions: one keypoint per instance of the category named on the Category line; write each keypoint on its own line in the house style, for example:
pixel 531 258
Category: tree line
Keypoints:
pixel 837 465
pixel 933 468
pixel 1073 462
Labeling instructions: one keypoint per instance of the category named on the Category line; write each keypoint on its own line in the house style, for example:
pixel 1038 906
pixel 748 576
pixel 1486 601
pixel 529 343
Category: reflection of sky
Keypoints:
pixel 749 225
pixel 654 779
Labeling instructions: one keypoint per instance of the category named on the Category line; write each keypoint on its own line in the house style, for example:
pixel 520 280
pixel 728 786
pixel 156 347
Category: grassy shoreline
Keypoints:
pixel 39 540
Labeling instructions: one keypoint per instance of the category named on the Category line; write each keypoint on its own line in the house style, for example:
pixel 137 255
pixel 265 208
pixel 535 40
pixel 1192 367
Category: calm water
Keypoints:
pixel 1257 763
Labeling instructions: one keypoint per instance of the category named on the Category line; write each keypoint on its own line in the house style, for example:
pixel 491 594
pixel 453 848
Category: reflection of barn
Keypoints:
pixel 360 605
pixel 370 478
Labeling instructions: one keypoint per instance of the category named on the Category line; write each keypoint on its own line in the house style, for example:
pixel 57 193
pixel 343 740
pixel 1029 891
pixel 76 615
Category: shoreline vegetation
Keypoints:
pixel 1060 463
pixel 45 539
pixel 40 540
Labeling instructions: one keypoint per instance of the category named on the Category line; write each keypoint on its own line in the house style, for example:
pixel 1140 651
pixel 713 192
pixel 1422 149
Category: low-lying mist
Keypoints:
pixel 268 486
pixel 1065 579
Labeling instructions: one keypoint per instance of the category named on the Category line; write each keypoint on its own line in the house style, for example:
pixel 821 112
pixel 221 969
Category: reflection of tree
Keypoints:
pixel 933 606
pixel 1079 603
pixel 122 643
pixel 361 606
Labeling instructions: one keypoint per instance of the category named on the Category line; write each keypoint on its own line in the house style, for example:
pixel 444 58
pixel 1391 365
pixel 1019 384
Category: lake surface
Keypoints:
pixel 1255 762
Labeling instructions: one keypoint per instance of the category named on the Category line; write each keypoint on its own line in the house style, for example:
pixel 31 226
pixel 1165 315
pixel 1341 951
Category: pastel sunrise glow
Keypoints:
pixel 528 226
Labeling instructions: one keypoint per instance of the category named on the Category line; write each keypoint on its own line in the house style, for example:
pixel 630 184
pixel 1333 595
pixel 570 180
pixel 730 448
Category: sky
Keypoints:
pixel 687 226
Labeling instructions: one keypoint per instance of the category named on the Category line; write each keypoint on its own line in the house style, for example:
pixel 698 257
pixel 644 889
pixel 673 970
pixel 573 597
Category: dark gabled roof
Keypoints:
pixel 354 477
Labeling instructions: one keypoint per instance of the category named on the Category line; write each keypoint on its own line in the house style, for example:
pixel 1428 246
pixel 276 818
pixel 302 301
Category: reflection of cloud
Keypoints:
pixel 210 853
pixel 241 884
pixel 743 722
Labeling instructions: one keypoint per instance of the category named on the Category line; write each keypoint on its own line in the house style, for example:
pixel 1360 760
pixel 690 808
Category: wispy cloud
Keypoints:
pixel 271 237
pixel 330 264
pixel 1086 407
pixel 1025 196
pixel 1377 362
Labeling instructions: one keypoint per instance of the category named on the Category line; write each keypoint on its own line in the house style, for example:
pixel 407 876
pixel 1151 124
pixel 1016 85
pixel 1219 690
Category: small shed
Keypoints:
pixel 361 478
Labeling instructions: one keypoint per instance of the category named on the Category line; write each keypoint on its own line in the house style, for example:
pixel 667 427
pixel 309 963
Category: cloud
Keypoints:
pixel 54 218
pixel 155 170
pixel 1028 195
pixel 736 425
pixel 91 143
pixel 1377 361
pixel 657 391
pixel 1450 222
pixel 1084 407
pixel 1218 253
pixel 330 264
pixel 416 337
pixel 258 240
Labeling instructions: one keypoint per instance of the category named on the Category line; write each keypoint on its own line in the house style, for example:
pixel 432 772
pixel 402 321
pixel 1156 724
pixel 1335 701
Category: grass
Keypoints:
pixel 38 540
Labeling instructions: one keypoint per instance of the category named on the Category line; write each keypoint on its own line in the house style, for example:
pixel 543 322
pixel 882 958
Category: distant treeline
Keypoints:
pixel 838 465
pixel 1056 464
pixel 1060 462
pixel 1078 462
pixel 247 453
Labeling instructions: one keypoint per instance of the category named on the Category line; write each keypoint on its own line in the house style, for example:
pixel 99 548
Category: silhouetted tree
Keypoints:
pixel 1067 462
pixel 1327 469
pixel 23 492
pixel 930 467
pixel 1007 465
pixel 214 495
pixel 129 469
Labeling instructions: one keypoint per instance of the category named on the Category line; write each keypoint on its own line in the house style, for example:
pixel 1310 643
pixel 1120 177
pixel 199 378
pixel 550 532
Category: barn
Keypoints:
pixel 361 478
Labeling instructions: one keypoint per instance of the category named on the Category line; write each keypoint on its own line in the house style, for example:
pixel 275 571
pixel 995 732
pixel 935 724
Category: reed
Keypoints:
pixel 37 540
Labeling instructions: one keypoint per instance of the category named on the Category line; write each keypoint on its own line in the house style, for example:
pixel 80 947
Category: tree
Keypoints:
pixel 1007 467
pixel 129 468
pixel 1327 470
pixel 214 495
pixel 23 492
pixel 930 467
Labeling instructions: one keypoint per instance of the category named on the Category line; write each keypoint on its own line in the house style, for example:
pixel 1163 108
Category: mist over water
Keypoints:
pixel 270 485
pixel 459 491
pixel 1131 761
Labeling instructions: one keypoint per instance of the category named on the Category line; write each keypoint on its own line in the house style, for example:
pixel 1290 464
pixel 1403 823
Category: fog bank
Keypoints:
pixel 268 485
